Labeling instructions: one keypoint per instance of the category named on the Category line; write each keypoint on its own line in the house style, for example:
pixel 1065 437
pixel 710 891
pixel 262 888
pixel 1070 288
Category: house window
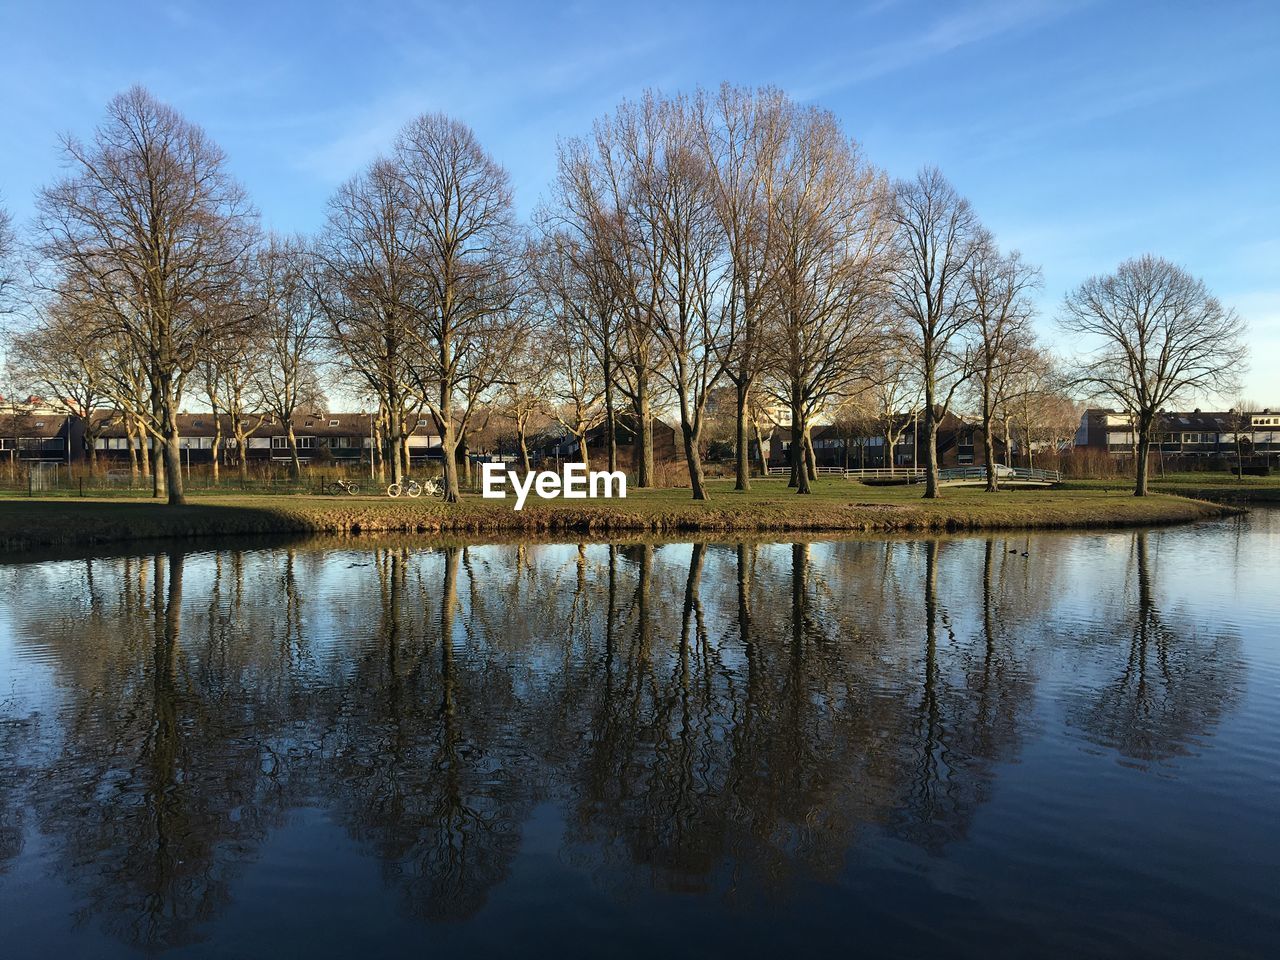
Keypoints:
pixel 333 423
pixel 306 443
pixel 422 423
pixel 279 443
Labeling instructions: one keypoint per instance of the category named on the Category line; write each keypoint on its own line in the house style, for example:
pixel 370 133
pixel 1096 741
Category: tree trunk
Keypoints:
pixel 764 457
pixel 742 461
pixel 242 451
pixel 799 444
pixel 449 447
pixel 796 449
pixel 395 426
pixel 295 464
pixel 810 455
pixel 217 449
pixel 932 480
pixel 173 459
pixel 1143 453
pixel 1008 441
pixel 582 449
pixel 989 443
pixel 155 452
pixel 697 479
pixel 610 414
pixel 130 438
pixel 644 437
pixel 524 447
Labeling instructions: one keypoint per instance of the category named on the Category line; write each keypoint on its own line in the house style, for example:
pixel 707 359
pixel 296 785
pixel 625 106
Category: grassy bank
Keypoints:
pixel 1218 487
pixel 836 505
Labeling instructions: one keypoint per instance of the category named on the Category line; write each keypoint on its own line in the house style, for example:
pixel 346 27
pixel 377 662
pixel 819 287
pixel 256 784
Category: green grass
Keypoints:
pixel 835 505
pixel 1201 485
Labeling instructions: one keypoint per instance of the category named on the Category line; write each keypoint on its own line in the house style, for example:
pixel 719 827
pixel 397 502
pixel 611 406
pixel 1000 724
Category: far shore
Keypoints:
pixel 33 523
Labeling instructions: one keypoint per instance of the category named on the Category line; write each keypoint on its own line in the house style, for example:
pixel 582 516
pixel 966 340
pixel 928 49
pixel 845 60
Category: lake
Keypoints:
pixel 978 746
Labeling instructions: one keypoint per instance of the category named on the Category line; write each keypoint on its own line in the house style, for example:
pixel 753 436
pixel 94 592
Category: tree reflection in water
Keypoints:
pixel 1168 681
pixel 718 719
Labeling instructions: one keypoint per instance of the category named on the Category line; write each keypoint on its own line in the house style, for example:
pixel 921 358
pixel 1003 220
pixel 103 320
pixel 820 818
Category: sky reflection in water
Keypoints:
pixel 977 745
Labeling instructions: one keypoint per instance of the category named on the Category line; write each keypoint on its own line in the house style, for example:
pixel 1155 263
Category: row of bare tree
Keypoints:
pixel 691 246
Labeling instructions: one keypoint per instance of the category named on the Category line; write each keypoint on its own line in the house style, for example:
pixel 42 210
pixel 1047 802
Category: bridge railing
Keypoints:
pixel 877 473
pixel 917 474
pixel 1031 474
pixel 855 474
pixel 1035 473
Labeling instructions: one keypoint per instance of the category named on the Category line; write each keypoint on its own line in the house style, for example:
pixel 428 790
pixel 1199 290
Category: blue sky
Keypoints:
pixel 1084 132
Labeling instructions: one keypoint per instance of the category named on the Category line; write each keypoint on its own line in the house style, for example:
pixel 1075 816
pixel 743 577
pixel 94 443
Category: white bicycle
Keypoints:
pixel 432 487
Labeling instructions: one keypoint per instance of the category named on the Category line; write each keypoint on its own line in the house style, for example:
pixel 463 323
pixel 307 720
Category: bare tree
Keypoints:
pixel 127 383
pixel 833 232
pixel 575 389
pixel 573 242
pixel 674 217
pixel 762 427
pixel 209 375
pixel 233 386
pixel 595 194
pixel 465 251
pixel 1036 407
pixel 894 393
pixel 998 288
pixel 527 393
pixel 68 367
pixel 8 261
pixel 150 228
pixel 936 230
pixel 574 382
pixel 1152 334
pixel 369 290
pixel 1240 422
pixel 744 134
pixel 290 323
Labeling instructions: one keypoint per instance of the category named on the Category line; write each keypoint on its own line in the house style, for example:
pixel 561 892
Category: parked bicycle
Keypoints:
pixel 432 487
pixel 339 487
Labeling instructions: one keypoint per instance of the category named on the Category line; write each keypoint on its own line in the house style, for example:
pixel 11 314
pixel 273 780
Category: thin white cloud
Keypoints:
pixel 972 24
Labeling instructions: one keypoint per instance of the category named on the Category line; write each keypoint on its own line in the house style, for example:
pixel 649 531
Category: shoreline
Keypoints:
pixel 43 523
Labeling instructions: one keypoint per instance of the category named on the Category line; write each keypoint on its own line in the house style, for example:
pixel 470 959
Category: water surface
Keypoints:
pixel 1057 742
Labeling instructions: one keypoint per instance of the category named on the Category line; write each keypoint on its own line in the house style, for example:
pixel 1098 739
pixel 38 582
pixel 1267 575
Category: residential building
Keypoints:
pixel 1194 435
pixel 33 432
pixel 668 447
pixel 341 437
pixel 959 445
